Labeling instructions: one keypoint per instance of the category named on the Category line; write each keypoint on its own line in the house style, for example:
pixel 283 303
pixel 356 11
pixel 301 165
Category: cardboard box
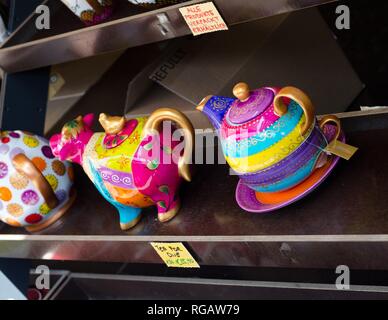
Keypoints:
pixel 295 49
pixel 77 78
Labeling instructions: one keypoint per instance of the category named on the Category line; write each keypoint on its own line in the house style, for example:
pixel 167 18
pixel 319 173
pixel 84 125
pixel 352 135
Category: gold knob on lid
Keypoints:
pixel 112 125
pixel 241 91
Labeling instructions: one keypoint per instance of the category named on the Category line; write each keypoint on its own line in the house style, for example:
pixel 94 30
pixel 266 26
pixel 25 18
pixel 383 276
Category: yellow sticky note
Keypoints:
pixel 175 255
pixel 341 149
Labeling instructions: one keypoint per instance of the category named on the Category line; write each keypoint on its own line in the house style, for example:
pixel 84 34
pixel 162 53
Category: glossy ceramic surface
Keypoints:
pixel 254 156
pixel 253 136
pixel 302 163
pixel 130 167
pixel 269 136
pixel 311 146
pixel 257 103
pixel 22 203
pixel 259 202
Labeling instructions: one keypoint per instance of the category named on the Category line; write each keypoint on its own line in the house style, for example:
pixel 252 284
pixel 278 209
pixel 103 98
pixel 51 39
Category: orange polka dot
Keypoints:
pixel 18 181
pixel 39 163
pixel 70 172
pixel 12 222
pixel 5 194
pixel 15 209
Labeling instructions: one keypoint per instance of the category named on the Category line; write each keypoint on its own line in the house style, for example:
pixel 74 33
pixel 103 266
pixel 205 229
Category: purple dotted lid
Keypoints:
pixel 258 101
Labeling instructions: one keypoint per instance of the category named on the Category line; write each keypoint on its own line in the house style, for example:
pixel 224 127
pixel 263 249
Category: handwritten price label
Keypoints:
pixel 341 149
pixel 175 255
pixel 203 18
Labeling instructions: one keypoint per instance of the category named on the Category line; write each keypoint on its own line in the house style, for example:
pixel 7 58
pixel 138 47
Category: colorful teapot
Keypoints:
pixel 35 188
pixel 269 136
pixel 133 164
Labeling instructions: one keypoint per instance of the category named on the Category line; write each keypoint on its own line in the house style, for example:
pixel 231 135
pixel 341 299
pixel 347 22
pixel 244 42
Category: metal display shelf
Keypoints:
pixel 344 221
pixel 102 286
pixel 68 39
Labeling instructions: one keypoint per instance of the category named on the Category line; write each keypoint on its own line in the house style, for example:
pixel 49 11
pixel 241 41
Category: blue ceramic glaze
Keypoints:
pixel 292 180
pixel 216 108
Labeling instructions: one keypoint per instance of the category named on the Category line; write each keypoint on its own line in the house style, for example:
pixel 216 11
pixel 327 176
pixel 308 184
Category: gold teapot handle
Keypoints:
pixel 331 118
pixel 155 121
pixel 300 98
pixel 26 167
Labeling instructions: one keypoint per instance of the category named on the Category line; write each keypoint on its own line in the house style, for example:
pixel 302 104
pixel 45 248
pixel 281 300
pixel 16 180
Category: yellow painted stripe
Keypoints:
pixel 273 154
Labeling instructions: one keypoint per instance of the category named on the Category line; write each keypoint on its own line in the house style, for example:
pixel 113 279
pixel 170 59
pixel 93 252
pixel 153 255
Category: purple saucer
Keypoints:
pixel 246 197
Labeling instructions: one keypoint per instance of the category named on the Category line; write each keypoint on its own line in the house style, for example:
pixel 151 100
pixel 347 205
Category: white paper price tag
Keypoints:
pixel 203 18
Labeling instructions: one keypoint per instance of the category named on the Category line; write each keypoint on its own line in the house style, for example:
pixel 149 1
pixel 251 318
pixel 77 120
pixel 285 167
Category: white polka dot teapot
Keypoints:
pixel 35 187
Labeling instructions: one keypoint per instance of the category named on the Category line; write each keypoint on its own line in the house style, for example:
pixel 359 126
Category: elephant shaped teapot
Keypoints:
pixel 133 164
pixel 270 137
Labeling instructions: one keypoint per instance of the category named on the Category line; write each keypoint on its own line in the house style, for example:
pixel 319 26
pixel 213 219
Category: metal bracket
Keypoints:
pixel 164 25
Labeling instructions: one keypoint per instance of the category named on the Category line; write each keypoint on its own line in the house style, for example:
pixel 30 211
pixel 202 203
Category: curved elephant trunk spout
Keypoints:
pixel 155 121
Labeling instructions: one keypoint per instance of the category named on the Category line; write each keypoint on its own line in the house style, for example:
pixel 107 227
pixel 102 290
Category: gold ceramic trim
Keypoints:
pixel 69 132
pixel 26 167
pixel 129 225
pixel 300 98
pixel 169 215
pixel 241 91
pixel 55 217
pixel 203 102
pixel 111 125
pixel 331 118
pixel 154 123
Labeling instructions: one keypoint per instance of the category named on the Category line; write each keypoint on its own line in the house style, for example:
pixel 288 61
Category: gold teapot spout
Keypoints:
pixel 202 104
pixel 112 125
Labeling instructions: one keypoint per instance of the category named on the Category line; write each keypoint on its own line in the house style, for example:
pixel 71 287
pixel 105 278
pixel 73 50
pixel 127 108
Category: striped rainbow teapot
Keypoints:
pixel 270 136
